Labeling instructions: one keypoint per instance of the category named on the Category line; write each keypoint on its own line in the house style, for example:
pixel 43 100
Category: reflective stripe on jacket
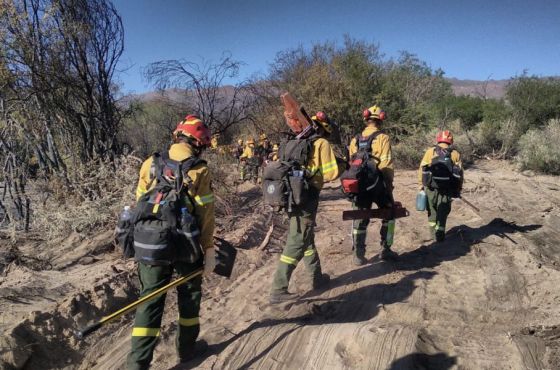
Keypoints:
pixel 322 164
pixel 200 190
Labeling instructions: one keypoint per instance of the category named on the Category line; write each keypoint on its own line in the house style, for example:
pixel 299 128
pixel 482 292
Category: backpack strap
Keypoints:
pixel 369 142
pixel 438 149
pixel 180 168
pixel 308 142
pixel 371 139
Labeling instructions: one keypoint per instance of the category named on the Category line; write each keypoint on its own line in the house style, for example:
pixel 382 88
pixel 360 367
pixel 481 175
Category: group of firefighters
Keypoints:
pixel 321 165
pixel 252 159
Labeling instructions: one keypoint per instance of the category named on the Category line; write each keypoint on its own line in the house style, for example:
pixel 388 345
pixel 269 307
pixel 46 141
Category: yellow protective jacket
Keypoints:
pixel 200 190
pixel 322 164
pixel 380 149
pixel 248 152
pixel 431 154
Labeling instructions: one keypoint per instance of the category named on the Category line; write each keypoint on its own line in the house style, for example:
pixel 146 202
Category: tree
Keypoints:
pixel 57 106
pixel 534 100
pixel 343 80
pixel 63 55
pixel 200 89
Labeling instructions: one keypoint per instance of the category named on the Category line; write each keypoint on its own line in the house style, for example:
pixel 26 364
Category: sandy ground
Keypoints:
pixel 486 298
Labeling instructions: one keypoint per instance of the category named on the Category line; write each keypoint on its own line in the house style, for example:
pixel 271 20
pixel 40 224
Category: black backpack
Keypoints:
pixel 442 173
pixel 363 182
pixel 164 230
pixel 286 181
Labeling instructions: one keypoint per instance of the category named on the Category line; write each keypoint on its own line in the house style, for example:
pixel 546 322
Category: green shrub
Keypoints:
pixel 539 149
pixel 408 152
pixel 486 138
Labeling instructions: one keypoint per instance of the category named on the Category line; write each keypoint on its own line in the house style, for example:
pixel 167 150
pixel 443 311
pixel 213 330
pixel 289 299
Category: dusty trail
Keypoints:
pixel 486 298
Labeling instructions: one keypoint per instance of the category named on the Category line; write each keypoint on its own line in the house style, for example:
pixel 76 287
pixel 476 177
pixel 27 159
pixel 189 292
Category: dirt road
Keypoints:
pixel 486 298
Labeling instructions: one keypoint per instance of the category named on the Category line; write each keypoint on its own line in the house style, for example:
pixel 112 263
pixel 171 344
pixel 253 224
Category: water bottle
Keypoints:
pixel 421 201
pixel 186 218
pixel 126 214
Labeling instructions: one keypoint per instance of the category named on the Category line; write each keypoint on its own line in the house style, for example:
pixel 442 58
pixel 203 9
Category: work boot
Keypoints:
pixel 388 255
pixel 321 281
pixel 200 349
pixel 359 260
pixel 440 236
pixel 279 297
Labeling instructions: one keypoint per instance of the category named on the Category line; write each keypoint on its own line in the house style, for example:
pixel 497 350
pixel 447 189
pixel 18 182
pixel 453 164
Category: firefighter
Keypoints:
pixel 264 148
pixel 380 152
pixel 320 167
pixel 262 152
pixel 214 142
pixel 441 176
pixel 249 161
pixel 237 150
pixel 273 156
pixel 189 139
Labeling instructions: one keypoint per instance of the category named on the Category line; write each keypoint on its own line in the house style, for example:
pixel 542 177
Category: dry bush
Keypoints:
pixel 223 168
pixel 97 193
pixel 511 131
pixel 539 149
pixel 486 138
pixel 409 152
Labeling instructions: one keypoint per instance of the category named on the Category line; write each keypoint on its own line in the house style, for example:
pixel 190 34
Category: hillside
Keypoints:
pixel 494 89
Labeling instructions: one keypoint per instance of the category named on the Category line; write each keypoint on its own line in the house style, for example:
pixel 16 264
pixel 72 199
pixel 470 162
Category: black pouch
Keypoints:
pixel 426 177
pixel 274 185
pixel 298 189
pixel 275 193
pixel 154 243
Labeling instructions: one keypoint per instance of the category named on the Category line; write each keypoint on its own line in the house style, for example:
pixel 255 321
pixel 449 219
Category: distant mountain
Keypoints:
pixel 493 89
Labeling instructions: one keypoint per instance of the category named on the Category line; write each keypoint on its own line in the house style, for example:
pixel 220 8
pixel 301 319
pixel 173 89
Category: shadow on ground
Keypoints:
pixel 363 304
pixel 438 361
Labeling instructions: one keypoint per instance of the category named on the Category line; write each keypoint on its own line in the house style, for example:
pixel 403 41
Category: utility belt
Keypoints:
pixel 441 181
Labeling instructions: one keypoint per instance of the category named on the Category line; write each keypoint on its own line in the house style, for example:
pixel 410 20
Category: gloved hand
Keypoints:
pixel 209 261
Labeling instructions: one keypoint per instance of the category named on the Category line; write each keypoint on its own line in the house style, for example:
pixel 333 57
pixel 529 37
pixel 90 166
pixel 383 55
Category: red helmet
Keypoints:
pixel 193 127
pixel 444 137
pixel 321 116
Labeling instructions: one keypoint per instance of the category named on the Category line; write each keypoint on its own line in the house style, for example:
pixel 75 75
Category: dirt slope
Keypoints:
pixel 486 298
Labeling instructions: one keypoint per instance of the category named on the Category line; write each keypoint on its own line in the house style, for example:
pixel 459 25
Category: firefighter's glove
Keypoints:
pixel 209 261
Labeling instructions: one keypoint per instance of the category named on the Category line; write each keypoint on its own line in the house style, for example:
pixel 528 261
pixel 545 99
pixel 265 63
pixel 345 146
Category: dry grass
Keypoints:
pixel 97 193
pixel 539 149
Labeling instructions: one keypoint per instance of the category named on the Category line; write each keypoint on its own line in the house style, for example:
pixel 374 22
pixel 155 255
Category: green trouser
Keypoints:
pixel 359 231
pixel 439 207
pixel 253 172
pixel 148 315
pixel 300 244
pixel 242 169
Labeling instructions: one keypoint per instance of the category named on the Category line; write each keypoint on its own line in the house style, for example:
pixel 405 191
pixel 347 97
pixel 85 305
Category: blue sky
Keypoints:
pixel 470 39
